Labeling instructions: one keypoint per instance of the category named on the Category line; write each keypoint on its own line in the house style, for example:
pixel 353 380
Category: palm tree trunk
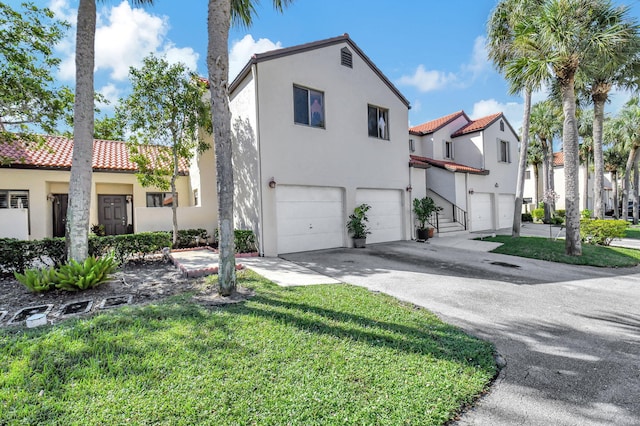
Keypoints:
pixel 536 176
pixel 598 158
pixel 174 193
pixel 552 185
pixel 614 175
pixel 522 165
pixel 627 181
pixel 573 246
pixel 81 163
pixel 585 183
pixel 636 181
pixel 547 165
pixel 219 20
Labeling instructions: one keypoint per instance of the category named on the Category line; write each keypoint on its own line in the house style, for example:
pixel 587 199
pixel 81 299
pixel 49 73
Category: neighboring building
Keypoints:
pixel 34 193
pixel 318 129
pixel 469 167
pixel 584 180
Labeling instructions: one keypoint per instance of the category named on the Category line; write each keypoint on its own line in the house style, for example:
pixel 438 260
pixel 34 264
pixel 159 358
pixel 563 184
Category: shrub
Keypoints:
pixel 538 214
pixel 93 271
pixel 600 231
pixel 526 217
pixel 129 246
pixel 20 255
pixel 561 213
pixel 245 241
pixel 585 214
pixel 38 280
pixel 557 220
pixel 191 237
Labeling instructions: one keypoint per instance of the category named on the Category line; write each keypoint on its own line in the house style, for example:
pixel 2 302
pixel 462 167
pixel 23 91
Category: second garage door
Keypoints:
pixel 385 216
pixel 506 204
pixel 481 212
pixel 309 218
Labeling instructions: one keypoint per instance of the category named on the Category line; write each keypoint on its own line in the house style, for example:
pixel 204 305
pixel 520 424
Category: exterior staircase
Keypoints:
pixel 447 227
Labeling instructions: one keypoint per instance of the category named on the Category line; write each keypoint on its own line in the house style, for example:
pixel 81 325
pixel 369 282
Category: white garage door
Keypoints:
pixel 309 218
pixel 385 216
pixel 481 212
pixel 506 204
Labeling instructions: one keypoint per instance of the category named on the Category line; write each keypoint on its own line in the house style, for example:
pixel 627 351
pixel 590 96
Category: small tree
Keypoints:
pixel 165 112
pixel 358 222
pixel 424 208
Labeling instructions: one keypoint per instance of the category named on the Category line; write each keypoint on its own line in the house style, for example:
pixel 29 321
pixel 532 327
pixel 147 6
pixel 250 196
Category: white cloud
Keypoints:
pixel 242 50
pixel 124 36
pixel 512 110
pixel 479 60
pixel 111 93
pixel 63 11
pixel 427 80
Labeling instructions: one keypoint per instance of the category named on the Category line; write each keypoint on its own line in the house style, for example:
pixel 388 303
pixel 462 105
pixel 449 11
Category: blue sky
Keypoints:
pixel 432 51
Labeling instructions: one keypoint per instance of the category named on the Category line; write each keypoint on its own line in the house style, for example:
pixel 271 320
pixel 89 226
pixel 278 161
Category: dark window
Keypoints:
pixel 346 58
pixel 527 174
pixel 501 126
pixel 448 150
pixel 378 122
pixel 14 199
pixel 412 145
pixel 308 107
pixel 160 199
pixel 504 151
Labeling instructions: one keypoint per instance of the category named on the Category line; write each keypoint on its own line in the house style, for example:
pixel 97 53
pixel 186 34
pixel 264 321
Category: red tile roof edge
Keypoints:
pixel 477 125
pixel 433 126
pixel 417 160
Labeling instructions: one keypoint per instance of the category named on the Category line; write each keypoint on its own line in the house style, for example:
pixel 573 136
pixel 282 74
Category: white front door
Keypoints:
pixel 309 218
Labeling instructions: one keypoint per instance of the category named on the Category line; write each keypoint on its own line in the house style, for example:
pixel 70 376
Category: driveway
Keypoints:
pixel 570 335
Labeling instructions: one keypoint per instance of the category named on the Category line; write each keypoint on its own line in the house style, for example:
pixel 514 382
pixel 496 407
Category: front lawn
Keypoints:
pixel 554 251
pixel 321 355
pixel 633 231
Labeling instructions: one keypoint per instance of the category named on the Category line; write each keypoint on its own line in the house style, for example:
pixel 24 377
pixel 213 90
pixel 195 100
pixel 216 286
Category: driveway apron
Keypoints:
pixel 570 335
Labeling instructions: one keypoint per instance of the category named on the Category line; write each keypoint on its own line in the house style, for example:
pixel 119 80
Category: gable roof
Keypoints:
pixel 57 152
pixel 287 51
pixel 424 162
pixel 437 124
pixel 477 125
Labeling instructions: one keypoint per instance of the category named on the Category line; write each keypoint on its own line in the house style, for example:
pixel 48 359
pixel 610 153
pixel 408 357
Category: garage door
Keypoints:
pixel 309 218
pixel 385 216
pixel 481 212
pixel 506 204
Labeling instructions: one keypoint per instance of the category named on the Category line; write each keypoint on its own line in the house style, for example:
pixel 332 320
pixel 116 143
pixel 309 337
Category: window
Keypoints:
pixel 378 122
pixel 501 126
pixel 160 199
pixel 448 150
pixel 308 107
pixel 503 150
pixel 412 146
pixel 527 174
pixel 346 58
pixel 195 197
pixel 14 199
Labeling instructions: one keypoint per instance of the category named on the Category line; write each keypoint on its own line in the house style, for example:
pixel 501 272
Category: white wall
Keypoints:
pixel 14 223
pixel 149 219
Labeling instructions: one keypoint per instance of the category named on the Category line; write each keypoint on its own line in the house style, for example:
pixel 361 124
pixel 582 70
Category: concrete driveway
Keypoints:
pixel 570 335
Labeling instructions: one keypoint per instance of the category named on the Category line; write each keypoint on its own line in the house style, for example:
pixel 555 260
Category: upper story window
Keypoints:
pixel 308 107
pixel 448 150
pixel 412 145
pixel 346 58
pixel 503 151
pixel 501 126
pixel 378 119
pixel 527 174
pixel 160 199
pixel 14 199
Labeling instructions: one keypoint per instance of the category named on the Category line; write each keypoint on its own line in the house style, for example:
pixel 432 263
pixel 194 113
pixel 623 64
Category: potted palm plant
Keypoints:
pixel 424 208
pixel 357 225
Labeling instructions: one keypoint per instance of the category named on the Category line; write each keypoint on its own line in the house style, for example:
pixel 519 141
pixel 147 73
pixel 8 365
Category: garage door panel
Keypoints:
pixel 506 205
pixel 385 215
pixel 481 212
pixel 309 218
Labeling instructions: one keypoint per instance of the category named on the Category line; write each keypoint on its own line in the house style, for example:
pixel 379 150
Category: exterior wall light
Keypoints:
pixel 409 188
pixel 50 197
pixel 272 183
pixel 471 191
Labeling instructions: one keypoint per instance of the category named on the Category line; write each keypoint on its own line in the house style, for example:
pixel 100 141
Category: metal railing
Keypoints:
pixel 459 216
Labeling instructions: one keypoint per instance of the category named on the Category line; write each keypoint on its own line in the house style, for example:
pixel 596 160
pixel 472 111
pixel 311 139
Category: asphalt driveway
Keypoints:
pixel 570 335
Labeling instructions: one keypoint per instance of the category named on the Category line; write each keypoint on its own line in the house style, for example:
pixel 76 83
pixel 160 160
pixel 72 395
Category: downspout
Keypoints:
pixel 410 205
pixel 254 74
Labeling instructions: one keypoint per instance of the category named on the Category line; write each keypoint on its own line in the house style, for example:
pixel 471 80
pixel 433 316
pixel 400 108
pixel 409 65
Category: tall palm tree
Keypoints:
pixel 585 131
pixel 566 36
pixel 505 48
pixel 77 232
pixel 220 15
pixel 535 158
pixel 546 124
pixel 614 161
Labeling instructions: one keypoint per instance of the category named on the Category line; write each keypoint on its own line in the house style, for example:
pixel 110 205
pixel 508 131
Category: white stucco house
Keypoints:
pixel 534 194
pixel 318 129
pixel 469 167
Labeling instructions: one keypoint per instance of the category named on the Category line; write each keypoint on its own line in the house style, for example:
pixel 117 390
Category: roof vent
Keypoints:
pixel 346 58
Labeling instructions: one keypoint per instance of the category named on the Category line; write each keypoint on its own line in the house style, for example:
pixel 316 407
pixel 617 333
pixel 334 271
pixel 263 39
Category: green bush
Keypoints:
pixel 245 241
pixel 557 220
pixel 561 213
pixel 538 214
pixel 586 214
pixel 600 231
pixel 20 255
pixel 526 217
pixel 129 246
pixel 75 276
pixel 38 280
pixel 191 238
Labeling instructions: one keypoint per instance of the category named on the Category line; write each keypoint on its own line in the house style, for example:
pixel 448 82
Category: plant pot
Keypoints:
pixel 422 233
pixel 359 242
pixel 430 232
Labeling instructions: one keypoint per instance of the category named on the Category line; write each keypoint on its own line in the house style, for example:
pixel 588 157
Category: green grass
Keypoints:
pixel 633 231
pixel 554 251
pixel 322 355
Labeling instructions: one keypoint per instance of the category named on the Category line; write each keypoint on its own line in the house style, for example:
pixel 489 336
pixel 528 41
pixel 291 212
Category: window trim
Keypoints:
pixel 507 151
pixel 379 110
pixel 451 152
pixel 164 195
pixel 309 107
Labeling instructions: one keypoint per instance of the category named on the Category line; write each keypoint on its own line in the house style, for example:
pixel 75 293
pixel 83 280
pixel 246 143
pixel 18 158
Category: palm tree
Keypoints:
pixel 613 163
pixel 220 15
pixel 545 126
pixel 565 36
pixel 585 131
pixel 77 232
pixel 535 157
pixel 504 49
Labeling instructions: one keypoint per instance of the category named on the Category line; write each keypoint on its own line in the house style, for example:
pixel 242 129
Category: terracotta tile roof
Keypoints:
pixel 424 162
pixel 477 125
pixel 438 123
pixel 558 158
pixel 57 154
